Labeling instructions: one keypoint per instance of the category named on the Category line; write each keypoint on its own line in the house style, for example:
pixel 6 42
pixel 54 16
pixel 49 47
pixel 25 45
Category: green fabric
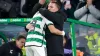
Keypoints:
pixel 37 25
pixel 35 32
pixel 36 39
pixel 47 1
pixel 37 18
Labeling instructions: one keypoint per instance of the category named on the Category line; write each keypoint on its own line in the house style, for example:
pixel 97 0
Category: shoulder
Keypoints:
pixel 5 45
pixel 45 12
pixel 9 44
pixel 12 43
pixel 63 14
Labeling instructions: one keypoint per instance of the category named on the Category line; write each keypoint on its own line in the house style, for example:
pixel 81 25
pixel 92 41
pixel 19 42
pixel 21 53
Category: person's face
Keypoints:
pixel 52 7
pixel 91 32
pixel 20 43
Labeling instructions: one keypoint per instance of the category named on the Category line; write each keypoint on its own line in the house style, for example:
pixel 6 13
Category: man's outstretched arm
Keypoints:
pixel 55 30
pixel 52 28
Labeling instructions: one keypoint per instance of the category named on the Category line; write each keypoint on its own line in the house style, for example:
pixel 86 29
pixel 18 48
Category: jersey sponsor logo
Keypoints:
pixel 11 51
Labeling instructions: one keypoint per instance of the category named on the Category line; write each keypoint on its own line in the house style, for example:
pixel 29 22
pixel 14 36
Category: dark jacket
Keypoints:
pixel 10 49
pixel 54 42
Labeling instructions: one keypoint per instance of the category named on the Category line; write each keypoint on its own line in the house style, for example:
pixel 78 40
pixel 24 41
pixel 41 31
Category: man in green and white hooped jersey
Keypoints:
pixel 35 42
pixel 35 38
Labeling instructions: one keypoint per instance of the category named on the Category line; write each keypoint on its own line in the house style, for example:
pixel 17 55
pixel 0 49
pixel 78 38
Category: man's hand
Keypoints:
pixel 63 33
pixel 42 2
pixel 67 6
pixel 89 2
pixel 30 27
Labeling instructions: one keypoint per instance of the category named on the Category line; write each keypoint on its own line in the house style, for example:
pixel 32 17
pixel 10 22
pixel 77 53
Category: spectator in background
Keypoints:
pixel 67 4
pixel 93 42
pixel 69 7
pixel 13 48
pixel 90 12
pixel 13 6
pixel 68 46
pixel 30 7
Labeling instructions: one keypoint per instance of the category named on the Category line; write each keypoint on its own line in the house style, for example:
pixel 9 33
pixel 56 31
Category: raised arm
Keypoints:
pixel 51 27
pixel 95 12
pixel 91 5
pixel 80 12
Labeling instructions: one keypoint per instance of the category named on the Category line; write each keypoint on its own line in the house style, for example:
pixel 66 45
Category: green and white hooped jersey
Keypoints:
pixel 36 37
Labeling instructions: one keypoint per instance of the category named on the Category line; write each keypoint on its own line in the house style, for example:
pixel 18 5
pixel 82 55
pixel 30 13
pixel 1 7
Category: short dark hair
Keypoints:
pixel 58 3
pixel 21 37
